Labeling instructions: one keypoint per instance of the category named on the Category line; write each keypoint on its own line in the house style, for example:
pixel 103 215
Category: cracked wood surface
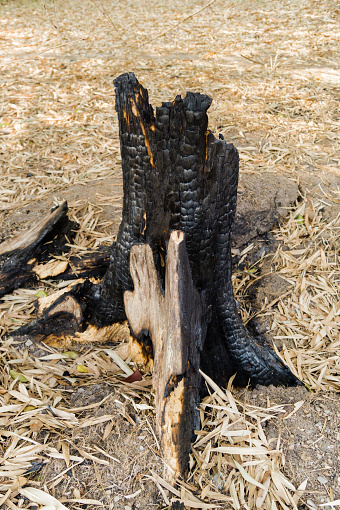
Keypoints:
pixel 174 322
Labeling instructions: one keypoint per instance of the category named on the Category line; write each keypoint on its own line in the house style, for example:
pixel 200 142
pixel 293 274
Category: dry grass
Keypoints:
pixel 310 314
pixel 232 461
pixel 271 68
pixel 32 396
pixel 306 319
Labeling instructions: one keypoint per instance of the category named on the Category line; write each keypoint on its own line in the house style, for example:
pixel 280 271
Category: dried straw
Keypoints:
pixel 232 462
pixel 306 319
pixel 271 70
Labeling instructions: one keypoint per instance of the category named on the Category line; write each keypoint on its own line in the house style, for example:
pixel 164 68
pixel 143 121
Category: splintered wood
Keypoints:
pixel 174 324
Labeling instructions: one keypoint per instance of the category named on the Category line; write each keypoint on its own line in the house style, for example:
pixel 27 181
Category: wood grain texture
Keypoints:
pixel 174 322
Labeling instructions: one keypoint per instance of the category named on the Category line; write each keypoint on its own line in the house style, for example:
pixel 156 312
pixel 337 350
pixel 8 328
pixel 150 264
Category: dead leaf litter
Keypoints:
pixel 71 429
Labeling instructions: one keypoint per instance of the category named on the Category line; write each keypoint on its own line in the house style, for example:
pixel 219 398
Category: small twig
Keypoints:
pixel 60 475
pixel 49 17
pixel 252 60
pixel 152 432
pixel 176 24
pixel 106 15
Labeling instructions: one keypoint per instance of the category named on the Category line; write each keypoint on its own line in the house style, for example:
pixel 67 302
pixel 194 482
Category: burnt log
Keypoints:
pixel 23 257
pixel 60 314
pixel 90 265
pixel 18 255
pixel 179 182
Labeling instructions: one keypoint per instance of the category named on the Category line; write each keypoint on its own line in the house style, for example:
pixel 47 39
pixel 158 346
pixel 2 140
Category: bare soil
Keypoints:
pixel 310 438
pixel 131 443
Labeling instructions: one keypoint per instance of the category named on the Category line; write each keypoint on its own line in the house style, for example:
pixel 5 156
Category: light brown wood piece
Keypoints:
pixel 51 269
pixel 175 326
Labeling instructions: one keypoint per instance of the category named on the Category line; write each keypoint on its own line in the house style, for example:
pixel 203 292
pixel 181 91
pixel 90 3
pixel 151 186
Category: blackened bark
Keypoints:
pixel 16 253
pixel 90 265
pixel 178 176
pixel 61 314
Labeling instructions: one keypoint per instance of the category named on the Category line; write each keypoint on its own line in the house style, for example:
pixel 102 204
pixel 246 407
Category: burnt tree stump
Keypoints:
pixel 170 269
pixel 179 181
pixel 178 176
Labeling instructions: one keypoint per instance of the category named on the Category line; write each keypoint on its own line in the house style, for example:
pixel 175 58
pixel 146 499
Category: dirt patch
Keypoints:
pixel 309 437
pixel 262 201
pixel 130 451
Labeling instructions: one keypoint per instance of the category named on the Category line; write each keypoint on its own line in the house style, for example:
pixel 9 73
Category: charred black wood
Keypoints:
pixel 91 265
pixel 178 176
pixel 12 277
pixel 63 313
pixel 17 253
pixel 20 255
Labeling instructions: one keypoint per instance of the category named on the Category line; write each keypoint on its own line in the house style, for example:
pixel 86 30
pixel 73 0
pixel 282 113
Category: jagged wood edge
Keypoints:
pixel 174 322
